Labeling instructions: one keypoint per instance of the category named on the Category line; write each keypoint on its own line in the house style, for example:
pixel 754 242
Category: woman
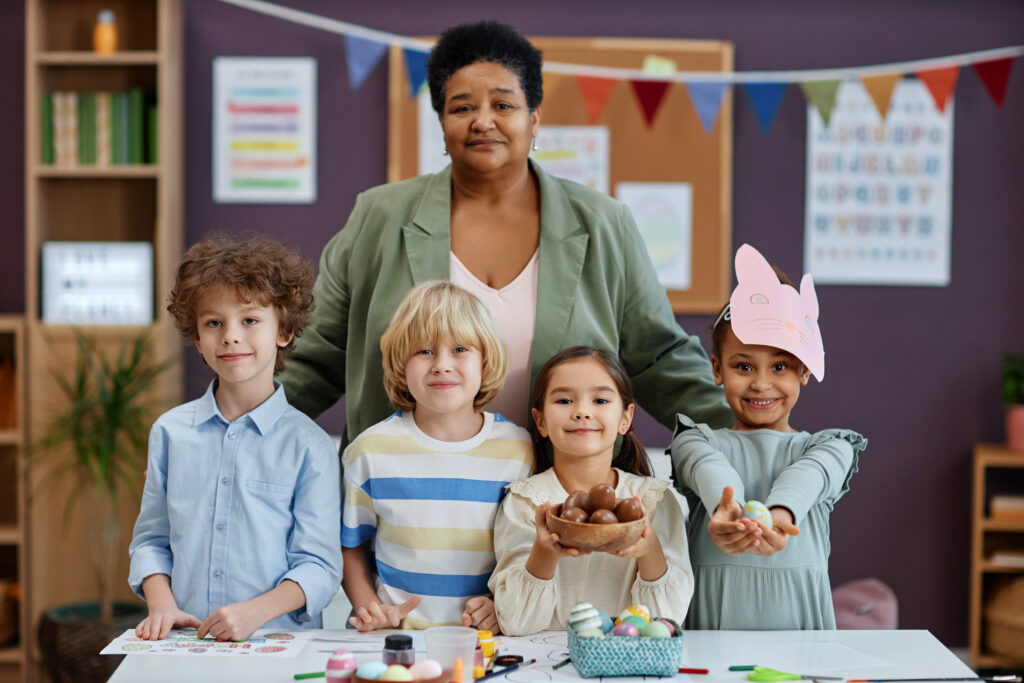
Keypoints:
pixel 558 264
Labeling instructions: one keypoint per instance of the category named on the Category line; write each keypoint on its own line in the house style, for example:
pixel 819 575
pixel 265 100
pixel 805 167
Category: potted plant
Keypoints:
pixel 1013 400
pixel 99 442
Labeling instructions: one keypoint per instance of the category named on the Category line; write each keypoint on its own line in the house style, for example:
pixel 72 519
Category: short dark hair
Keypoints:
pixel 256 268
pixel 484 41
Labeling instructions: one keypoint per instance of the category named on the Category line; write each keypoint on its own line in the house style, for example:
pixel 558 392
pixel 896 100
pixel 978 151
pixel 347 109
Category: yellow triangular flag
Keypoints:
pixel 880 89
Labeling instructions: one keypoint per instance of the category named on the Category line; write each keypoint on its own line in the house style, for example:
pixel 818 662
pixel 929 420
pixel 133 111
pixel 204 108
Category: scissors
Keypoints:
pixel 762 674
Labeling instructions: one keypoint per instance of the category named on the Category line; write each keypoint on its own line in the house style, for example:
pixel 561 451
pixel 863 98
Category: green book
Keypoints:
pixel 115 128
pixel 47 129
pixel 87 128
pixel 153 136
pixel 137 127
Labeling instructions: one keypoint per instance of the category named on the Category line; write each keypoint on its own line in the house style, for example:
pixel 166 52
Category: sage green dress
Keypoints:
pixel 806 473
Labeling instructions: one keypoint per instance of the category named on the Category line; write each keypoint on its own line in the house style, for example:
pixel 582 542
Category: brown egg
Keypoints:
pixel 601 497
pixel 576 499
pixel 575 515
pixel 628 510
pixel 603 517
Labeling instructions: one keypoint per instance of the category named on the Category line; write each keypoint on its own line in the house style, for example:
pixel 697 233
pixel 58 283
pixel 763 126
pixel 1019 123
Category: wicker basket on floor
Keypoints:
pixel 71 637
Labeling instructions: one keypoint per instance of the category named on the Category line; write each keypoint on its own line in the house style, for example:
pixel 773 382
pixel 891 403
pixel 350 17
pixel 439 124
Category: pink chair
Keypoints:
pixel 865 603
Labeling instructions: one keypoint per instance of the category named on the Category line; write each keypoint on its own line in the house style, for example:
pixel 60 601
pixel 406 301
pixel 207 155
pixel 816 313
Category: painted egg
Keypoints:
pixel 628 509
pixel 625 628
pixel 673 627
pixel 575 515
pixel 340 666
pixel 371 670
pixel 576 499
pixel 583 616
pixel 635 620
pixel 636 611
pixel 606 621
pixel 590 633
pixel 757 511
pixel 601 497
pixel 603 516
pixel 396 672
pixel 426 670
pixel 655 629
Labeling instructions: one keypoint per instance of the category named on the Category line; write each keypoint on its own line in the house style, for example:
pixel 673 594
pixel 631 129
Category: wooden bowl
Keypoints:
pixel 443 678
pixel 603 537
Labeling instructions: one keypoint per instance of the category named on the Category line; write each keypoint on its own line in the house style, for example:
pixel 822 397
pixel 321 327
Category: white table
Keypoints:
pixel 850 654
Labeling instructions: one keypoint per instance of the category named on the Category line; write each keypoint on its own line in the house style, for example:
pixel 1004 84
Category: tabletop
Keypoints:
pixel 849 654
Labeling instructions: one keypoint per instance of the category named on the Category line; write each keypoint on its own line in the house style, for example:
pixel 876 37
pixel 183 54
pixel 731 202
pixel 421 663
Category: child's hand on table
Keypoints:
pixel 776 538
pixel 236 621
pixel 378 615
pixel 730 530
pixel 159 623
pixel 480 614
pixel 548 539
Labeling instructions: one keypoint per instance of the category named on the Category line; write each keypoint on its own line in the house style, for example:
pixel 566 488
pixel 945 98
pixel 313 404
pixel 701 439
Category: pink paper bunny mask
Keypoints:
pixel 765 312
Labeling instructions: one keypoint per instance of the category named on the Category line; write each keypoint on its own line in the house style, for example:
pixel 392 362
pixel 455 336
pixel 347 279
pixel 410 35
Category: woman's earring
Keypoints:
pixel 533 146
pixel 444 152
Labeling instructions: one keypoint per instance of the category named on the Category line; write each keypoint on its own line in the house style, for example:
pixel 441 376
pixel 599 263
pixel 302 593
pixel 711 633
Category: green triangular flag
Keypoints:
pixel 822 94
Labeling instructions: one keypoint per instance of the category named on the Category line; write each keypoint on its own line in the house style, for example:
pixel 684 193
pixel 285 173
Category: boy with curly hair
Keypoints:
pixel 241 510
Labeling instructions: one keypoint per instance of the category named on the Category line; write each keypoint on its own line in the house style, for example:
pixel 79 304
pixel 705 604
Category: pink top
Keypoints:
pixel 514 310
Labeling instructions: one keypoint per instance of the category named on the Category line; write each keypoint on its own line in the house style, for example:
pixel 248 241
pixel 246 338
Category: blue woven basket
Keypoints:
pixel 625 656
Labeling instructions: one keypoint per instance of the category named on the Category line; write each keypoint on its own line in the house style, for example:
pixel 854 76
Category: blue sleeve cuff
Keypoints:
pixel 147 561
pixel 318 585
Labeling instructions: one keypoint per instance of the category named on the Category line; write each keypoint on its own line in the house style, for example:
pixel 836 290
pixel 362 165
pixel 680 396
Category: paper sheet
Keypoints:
pixel 263 643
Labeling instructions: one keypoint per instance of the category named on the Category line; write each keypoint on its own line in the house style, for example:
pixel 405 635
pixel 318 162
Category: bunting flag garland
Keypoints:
pixel 940 83
pixel 364 47
pixel 416 67
pixel 361 55
pixel 650 94
pixel 995 75
pixel 707 100
pixel 765 99
pixel 880 90
pixel 822 94
pixel 595 93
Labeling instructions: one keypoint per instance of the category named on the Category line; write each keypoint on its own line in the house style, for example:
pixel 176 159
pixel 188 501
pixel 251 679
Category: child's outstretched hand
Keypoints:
pixel 159 623
pixel 776 538
pixel 480 614
pixel 378 615
pixel 730 530
pixel 548 539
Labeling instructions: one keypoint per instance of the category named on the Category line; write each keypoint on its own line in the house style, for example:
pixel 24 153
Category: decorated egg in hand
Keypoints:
pixel 757 511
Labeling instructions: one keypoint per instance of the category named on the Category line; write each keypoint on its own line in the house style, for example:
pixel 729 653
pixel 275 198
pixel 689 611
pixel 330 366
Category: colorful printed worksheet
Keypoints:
pixel 183 641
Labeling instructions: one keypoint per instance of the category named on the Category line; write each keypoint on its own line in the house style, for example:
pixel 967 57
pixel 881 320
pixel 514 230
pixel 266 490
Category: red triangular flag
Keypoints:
pixel 995 74
pixel 940 83
pixel 650 95
pixel 595 92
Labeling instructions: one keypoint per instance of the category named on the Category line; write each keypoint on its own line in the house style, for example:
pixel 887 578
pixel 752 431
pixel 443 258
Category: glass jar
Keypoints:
pixel 398 650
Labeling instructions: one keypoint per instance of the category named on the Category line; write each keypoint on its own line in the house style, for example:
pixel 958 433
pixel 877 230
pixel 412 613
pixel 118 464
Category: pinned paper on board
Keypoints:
pixel 183 641
pixel 664 214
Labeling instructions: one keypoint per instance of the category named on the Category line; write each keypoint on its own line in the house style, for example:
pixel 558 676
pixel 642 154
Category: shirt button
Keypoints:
pixel 220 527
pixel 224 480
pixel 232 436
pixel 216 573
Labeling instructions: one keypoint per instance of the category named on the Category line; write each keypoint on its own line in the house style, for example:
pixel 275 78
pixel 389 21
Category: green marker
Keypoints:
pixel 315 674
pixel 742 667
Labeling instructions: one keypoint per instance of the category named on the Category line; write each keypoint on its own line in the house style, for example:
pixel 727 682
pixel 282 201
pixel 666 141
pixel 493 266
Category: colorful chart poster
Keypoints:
pixel 264 130
pixel 263 643
pixel 664 214
pixel 879 199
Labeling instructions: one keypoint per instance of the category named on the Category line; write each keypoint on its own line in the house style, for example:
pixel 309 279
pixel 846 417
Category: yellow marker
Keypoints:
pixel 458 670
pixel 486 639
pixel 479 671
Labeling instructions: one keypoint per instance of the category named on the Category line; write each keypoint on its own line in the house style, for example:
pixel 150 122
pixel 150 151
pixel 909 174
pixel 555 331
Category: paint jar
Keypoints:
pixel 104 35
pixel 398 650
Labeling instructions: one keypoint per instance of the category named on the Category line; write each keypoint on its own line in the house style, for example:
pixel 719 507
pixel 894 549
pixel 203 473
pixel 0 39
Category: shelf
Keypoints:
pixel 994 661
pixel 10 437
pixel 10 655
pixel 989 524
pixel 92 59
pixel 990 568
pixel 125 171
pixel 997 455
pixel 9 535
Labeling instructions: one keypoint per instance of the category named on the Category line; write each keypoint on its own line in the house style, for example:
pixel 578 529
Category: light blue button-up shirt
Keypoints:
pixel 231 509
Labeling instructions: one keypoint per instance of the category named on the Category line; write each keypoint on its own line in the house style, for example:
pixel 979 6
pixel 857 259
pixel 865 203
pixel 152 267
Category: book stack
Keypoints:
pixel 99 128
pixel 1007 508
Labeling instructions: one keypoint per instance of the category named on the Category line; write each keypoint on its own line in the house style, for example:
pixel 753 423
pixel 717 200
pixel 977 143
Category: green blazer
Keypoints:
pixel 596 286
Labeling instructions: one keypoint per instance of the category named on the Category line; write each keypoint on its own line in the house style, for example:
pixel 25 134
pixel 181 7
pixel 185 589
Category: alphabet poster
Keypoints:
pixel 879 193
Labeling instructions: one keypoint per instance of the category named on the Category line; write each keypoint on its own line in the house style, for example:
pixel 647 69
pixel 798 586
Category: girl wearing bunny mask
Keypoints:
pixel 769 573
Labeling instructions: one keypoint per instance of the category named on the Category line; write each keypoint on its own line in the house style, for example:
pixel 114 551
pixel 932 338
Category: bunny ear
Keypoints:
pixel 753 270
pixel 808 297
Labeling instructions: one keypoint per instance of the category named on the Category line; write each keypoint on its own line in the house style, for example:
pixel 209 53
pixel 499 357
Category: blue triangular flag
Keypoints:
pixel 362 55
pixel 765 99
pixel 707 99
pixel 416 67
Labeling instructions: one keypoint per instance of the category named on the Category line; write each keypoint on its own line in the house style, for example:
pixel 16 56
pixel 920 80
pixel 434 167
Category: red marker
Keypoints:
pixel 693 671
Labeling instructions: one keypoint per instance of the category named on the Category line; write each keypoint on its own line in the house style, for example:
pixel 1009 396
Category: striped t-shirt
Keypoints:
pixel 429 507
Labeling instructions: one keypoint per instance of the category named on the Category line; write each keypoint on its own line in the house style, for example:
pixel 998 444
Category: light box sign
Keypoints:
pixel 97 283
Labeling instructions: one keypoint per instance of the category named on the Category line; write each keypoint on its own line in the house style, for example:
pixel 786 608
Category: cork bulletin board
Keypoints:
pixel 675 149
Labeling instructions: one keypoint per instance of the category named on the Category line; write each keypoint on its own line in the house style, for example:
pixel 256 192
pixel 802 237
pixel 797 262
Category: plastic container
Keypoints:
pixel 398 650
pixel 448 643
pixel 104 35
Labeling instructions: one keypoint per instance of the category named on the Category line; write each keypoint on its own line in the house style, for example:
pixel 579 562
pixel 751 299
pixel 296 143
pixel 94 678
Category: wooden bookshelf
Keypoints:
pixel 13 566
pixel 992 464
pixel 92 203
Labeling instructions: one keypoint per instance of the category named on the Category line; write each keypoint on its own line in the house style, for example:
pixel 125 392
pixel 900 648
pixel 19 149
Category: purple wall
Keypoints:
pixel 922 403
